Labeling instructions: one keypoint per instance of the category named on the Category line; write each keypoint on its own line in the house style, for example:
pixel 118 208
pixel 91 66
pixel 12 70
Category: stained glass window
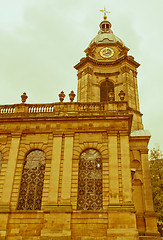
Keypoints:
pixel 31 188
pixel 90 181
pixel 106 88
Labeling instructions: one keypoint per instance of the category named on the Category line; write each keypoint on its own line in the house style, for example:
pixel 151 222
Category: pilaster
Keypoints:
pixel 113 169
pixel 8 184
pixel 146 181
pixel 54 175
pixel 67 170
pixel 136 91
pixel 126 171
pixel 10 172
pixel 57 216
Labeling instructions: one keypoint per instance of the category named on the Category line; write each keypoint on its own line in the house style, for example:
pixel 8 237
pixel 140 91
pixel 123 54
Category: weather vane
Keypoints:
pixel 105 12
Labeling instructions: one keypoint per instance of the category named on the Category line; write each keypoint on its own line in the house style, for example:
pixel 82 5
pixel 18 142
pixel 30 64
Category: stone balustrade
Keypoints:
pixel 64 108
pixel 7 109
pixel 40 108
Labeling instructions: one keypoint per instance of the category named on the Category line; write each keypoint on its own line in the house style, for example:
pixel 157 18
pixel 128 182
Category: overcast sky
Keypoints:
pixel 41 41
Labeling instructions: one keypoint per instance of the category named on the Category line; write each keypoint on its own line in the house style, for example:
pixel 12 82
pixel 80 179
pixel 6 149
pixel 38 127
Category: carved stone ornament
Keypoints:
pixel 61 96
pixel 91 51
pixel 72 96
pixel 79 75
pixel 88 70
pixel 125 69
pixel 24 97
pixel 121 95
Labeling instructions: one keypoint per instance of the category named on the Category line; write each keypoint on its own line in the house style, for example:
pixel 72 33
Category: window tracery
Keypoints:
pixel 31 188
pixel 90 195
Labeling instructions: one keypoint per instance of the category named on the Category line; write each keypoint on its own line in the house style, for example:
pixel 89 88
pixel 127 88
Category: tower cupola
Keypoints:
pixel 105 27
pixel 105 34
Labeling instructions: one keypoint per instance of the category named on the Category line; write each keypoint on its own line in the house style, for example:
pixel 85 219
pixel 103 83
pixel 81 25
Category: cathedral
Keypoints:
pixel 79 170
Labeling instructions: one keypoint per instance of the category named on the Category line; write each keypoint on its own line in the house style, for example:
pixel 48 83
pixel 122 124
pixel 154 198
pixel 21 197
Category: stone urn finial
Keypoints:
pixel 24 97
pixel 121 95
pixel 61 96
pixel 111 96
pixel 72 96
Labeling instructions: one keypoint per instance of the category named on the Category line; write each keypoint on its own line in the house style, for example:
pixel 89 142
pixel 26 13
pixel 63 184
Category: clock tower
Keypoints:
pixel 108 71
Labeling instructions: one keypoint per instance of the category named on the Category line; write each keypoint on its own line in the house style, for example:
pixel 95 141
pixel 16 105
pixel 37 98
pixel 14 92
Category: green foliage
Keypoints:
pixel 156 169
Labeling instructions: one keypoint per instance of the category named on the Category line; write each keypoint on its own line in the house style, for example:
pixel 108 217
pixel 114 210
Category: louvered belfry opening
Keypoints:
pixel 90 195
pixel 106 88
pixel 32 180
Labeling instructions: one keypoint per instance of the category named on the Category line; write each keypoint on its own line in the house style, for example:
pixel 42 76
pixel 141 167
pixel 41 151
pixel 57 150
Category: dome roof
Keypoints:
pixel 106 38
pixel 105 35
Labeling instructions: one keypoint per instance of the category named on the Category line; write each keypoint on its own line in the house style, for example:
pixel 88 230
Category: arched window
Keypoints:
pixel 106 91
pixel 31 188
pixel 0 161
pixel 90 181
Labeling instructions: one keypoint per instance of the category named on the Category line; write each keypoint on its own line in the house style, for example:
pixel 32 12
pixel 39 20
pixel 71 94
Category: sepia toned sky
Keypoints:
pixel 41 41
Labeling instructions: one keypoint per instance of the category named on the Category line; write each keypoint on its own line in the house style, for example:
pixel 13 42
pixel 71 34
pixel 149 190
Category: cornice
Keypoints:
pixel 103 115
pixel 57 134
pixel 142 138
pixel 144 151
pixel 129 59
pixel 16 134
pixel 135 111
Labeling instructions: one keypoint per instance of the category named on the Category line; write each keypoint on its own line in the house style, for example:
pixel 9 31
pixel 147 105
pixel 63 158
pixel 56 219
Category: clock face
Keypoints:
pixel 106 52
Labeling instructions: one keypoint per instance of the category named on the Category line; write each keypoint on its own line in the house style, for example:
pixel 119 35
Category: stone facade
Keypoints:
pixel 80 170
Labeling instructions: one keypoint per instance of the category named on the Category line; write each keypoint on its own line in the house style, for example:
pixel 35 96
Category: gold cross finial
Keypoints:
pixel 105 12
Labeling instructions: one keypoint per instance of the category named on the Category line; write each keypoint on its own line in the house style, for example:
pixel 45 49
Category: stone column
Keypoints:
pixel 55 170
pixel 126 171
pixel 67 170
pixel 113 169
